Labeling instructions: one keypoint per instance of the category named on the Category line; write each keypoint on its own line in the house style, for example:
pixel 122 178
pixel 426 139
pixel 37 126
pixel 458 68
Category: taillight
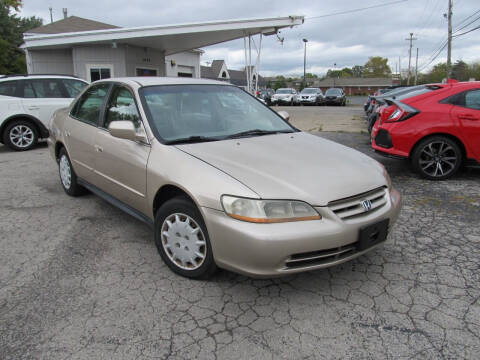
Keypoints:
pixel 401 113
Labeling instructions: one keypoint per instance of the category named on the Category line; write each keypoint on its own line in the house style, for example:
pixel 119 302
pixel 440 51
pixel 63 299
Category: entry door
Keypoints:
pixel 121 165
pixel 43 96
pixel 468 117
pixel 81 129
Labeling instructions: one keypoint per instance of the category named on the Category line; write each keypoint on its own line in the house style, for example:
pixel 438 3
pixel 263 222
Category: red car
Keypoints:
pixel 437 127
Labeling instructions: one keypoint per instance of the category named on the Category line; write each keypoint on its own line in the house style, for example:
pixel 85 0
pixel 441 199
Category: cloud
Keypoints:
pixel 346 40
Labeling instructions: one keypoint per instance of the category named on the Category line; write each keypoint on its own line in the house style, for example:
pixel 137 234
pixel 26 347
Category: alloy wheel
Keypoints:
pixel 438 159
pixel 21 136
pixel 65 172
pixel 183 241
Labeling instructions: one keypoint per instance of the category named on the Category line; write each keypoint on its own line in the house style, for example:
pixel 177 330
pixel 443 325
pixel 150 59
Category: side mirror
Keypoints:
pixel 284 115
pixel 125 130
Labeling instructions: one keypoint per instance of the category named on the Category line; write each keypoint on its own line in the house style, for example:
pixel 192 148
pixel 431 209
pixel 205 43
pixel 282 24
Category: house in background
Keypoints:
pixel 218 71
pixel 355 85
pixel 93 50
pixel 99 62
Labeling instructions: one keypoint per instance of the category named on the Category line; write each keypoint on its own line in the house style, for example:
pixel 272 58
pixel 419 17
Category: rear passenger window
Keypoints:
pixel 472 99
pixel 28 91
pixel 87 108
pixel 8 88
pixel 73 87
pixel 47 88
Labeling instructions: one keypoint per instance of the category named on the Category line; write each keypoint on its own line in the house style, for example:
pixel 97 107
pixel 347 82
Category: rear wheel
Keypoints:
pixel 437 158
pixel 68 178
pixel 182 239
pixel 20 135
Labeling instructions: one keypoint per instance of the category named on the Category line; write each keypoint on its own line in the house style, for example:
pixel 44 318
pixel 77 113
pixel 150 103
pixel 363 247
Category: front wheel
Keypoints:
pixel 182 239
pixel 437 158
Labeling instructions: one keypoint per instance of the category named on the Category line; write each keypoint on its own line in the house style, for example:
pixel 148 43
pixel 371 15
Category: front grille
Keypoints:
pixel 352 206
pixel 320 257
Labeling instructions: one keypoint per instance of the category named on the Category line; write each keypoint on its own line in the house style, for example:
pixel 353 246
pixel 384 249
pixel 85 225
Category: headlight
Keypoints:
pixel 387 177
pixel 268 211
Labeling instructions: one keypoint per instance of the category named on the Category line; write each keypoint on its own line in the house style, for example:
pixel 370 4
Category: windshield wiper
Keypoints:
pixel 191 139
pixel 256 132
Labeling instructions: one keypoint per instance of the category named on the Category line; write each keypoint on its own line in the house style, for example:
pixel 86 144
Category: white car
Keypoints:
pixel 27 103
pixel 285 96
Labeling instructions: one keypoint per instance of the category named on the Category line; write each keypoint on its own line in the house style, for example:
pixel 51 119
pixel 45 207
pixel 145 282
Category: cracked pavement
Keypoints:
pixel 79 279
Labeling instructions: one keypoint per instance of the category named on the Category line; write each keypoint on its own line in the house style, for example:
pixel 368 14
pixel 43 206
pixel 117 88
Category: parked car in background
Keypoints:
pixel 379 102
pixel 266 95
pixel 436 127
pixel 311 96
pixel 222 179
pixel 335 96
pixel 284 96
pixel 27 103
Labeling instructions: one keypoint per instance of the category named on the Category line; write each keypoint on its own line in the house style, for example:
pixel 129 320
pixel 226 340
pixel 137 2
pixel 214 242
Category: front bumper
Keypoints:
pixel 283 101
pixel 309 101
pixel 263 250
pixel 334 101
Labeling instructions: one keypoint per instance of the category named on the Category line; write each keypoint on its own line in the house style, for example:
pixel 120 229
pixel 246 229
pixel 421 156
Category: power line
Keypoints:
pixel 356 10
pixel 466 32
pixel 471 22
pixel 468 17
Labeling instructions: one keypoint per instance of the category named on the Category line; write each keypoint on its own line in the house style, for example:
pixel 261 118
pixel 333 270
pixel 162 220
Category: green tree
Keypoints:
pixel 357 71
pixel 12 27
pixel 279 82
pixel 460 71
pixel 376 66
pixel 311 76
pixel 436 75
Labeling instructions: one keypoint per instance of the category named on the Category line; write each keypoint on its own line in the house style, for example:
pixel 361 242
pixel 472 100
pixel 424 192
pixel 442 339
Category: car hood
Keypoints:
pixel 297 166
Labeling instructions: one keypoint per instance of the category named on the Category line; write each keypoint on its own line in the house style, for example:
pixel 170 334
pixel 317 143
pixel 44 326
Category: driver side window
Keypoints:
pixel 121 107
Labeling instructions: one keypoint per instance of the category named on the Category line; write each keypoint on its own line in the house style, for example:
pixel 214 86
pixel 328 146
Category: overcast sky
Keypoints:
pixel 346 40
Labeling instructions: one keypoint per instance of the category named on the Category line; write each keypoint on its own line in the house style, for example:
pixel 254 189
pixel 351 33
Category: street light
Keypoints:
pixel 305 64
pixel 334 70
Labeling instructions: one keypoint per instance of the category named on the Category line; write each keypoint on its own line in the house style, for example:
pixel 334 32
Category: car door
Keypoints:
pixel 49 95
pixel 81 128
pixel 121 164
pixel 466 112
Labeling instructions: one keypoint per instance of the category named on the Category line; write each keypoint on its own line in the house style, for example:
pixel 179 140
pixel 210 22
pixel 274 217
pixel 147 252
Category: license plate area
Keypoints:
pixel 372 235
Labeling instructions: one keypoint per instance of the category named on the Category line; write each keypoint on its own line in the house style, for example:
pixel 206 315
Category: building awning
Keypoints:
pixel 169 38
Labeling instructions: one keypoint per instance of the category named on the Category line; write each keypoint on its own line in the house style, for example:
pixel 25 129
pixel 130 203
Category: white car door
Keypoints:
pixel 42 97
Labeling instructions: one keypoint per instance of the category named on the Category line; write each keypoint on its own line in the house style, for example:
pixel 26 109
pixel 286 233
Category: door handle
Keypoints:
pixel 33 107
pixel 467 117
pixel 98 148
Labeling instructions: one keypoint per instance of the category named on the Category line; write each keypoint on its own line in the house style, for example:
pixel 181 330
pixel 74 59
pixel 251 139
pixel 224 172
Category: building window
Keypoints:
pixel 146 72
pixel 224 75
pixel 99 72
pixel 183 74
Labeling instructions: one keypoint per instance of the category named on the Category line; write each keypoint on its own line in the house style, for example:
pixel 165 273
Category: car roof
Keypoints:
pixel 139 81
pixel 39 76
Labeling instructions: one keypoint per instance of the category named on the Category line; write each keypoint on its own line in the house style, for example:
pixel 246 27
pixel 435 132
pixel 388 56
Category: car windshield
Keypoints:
pixel 333 91
pixel 207 112
pixel 284 91
pixel 309 91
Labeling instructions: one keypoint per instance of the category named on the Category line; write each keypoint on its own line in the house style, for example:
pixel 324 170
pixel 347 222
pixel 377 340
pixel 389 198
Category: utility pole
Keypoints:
pixel 410 57
pixel 449 46
pixel 399 70
pixel 51 15
pixel 305 64
pixel 416 68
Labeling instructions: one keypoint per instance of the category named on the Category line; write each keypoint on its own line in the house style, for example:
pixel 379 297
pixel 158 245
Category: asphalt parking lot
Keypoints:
pixel 79 279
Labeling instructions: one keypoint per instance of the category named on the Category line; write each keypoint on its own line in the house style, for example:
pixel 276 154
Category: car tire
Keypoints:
pixel 179 244
pixel 20 135
pixel 437 158
pixel 68 178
